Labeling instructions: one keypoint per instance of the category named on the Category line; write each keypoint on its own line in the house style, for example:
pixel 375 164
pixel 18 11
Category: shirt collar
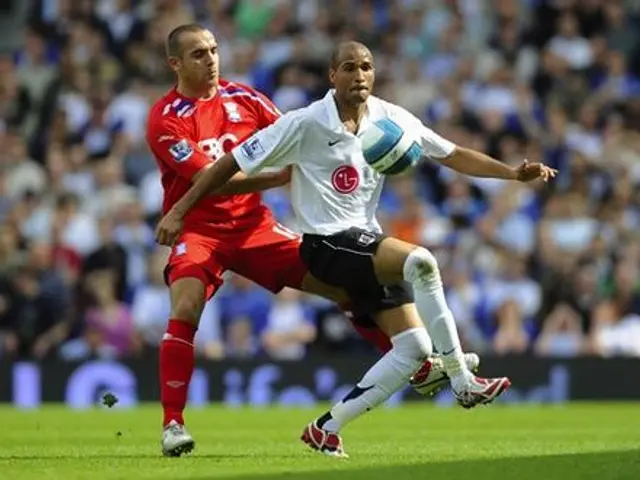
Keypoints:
pixel 334 117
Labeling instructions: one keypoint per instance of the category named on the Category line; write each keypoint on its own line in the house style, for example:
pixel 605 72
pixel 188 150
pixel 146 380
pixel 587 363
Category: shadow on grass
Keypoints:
pixel 622 465
pixel 138 456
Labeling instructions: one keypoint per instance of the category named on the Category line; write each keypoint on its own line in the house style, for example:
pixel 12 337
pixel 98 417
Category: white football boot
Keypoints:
pixel 432 377
pixel 176 440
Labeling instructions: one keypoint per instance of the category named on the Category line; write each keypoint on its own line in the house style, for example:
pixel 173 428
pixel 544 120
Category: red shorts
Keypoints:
pixel 262 251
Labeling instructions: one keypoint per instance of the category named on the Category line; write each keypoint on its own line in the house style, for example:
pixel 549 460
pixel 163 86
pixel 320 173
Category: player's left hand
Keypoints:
pixel 527 172
pixel 169 228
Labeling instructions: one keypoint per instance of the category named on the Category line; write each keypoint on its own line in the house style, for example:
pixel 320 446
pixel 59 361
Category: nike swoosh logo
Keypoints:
pixel 356 392
pixel 331 144
pixel 449 352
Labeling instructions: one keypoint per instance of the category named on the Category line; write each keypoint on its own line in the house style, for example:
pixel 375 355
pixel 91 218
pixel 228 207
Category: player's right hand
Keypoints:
pixel 169 228
pixel 284 176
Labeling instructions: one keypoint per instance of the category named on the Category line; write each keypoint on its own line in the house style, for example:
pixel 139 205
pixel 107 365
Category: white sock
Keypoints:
pixel 387 376
pixel 421 270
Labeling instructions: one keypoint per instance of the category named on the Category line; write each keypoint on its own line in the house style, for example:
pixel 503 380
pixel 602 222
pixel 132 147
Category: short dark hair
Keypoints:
pixel 336 53
pixel 173 46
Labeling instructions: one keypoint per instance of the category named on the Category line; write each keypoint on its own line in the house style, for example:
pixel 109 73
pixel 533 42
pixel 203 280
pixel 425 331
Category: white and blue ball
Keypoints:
pixel 388 148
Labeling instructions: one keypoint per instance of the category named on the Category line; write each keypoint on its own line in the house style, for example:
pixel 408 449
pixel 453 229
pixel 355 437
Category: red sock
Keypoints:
pixel 176 367
pixel 372 335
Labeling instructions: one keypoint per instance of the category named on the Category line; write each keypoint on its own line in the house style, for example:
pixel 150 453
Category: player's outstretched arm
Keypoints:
pixel 477 164
pixel 468 161
pixel 241 183
pixel 208 180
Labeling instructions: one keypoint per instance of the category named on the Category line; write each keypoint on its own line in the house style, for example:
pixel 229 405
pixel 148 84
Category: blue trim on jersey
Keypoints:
pixel 391 132
pixel 231 90
pixel 407 160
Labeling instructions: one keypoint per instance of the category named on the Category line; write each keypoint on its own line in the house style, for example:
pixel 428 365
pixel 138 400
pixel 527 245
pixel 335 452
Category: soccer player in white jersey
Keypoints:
pixel 335 194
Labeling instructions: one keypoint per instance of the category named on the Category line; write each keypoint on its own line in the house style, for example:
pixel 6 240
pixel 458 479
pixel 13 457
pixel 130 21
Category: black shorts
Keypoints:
pixel 345 260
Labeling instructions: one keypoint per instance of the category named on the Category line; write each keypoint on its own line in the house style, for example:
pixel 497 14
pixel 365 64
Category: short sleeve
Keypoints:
pixel 264 109
pixel 171 144
pixel 268 113
pixel 275 146
pixel 434 145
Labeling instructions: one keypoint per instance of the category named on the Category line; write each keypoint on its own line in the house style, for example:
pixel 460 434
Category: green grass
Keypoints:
pixel 579 441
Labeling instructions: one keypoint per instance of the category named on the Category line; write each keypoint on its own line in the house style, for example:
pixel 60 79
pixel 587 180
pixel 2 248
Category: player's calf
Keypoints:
pixel 383 379
pixel 421 270
pixel 177 355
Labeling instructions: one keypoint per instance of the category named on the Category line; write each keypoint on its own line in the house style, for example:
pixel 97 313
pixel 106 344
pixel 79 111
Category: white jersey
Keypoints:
pixel 333 187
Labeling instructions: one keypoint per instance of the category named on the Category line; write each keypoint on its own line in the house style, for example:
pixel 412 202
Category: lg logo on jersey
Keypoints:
pixel 215 147
pixel 345 179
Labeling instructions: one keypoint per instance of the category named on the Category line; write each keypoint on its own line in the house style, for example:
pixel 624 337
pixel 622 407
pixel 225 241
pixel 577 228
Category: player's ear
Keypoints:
pixel 174 63
pixel 332 76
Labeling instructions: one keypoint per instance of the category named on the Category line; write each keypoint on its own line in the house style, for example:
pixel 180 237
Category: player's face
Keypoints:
pixel 354 75
pixel 199 65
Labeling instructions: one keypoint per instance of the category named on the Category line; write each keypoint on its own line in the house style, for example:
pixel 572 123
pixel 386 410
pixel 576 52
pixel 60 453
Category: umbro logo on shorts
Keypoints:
pixel 366 239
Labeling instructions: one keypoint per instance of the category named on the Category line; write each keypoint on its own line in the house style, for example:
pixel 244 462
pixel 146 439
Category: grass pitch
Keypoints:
pixel 578 441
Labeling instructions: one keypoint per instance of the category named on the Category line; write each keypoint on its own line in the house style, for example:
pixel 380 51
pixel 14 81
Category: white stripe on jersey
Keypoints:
pixel 285 232
pixel 269 108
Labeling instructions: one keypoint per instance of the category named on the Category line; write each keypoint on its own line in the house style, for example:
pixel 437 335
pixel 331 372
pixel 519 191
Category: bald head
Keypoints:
pixel 352 73
pixel 192 53
pixel 173 44
pixel 347 50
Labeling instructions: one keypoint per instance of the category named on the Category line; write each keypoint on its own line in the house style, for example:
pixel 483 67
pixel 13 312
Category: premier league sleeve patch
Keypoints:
pixel 181 151
pixel 252 148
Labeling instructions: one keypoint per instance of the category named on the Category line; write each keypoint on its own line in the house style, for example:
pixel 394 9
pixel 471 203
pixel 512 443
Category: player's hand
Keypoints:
pixel 169 228
pixel 527 172
pixel 282 177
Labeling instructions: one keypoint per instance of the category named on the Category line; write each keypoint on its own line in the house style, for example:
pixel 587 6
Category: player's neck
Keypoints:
pixel 190 92
pixel 351 113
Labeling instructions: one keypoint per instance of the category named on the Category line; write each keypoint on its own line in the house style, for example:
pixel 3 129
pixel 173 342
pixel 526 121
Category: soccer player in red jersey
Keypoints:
pixel 198 121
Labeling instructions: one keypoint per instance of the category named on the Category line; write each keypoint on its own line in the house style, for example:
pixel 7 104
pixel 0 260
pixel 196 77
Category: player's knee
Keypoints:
pixel 188 307
pixel 188 296
pixel 420 266
pixel 414 343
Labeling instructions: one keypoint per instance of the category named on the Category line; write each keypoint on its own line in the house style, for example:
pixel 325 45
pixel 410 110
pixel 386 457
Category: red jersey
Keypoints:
pixel 184 134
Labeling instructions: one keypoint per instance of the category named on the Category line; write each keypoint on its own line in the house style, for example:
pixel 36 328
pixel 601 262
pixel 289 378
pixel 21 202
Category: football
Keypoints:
pixel 388 148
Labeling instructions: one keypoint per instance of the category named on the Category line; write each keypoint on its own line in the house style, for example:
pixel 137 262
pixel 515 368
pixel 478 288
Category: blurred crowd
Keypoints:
pixel 544 269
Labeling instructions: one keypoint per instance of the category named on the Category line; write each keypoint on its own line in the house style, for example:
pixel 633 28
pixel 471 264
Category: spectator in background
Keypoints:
pixel 569 45
pixel 62 217
pixel 11 255
pixel 137 239
pixel 512 300
pixel 108 255
pixel 465 300
pixel 23 174
pixel 108 323
pixel 111 191
pixel 511 335
pixel 244 312
pixel 406 216
pixel 561 334
pixel 15 102
pixel 506 226
pixel 288 330
pixel 36 306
